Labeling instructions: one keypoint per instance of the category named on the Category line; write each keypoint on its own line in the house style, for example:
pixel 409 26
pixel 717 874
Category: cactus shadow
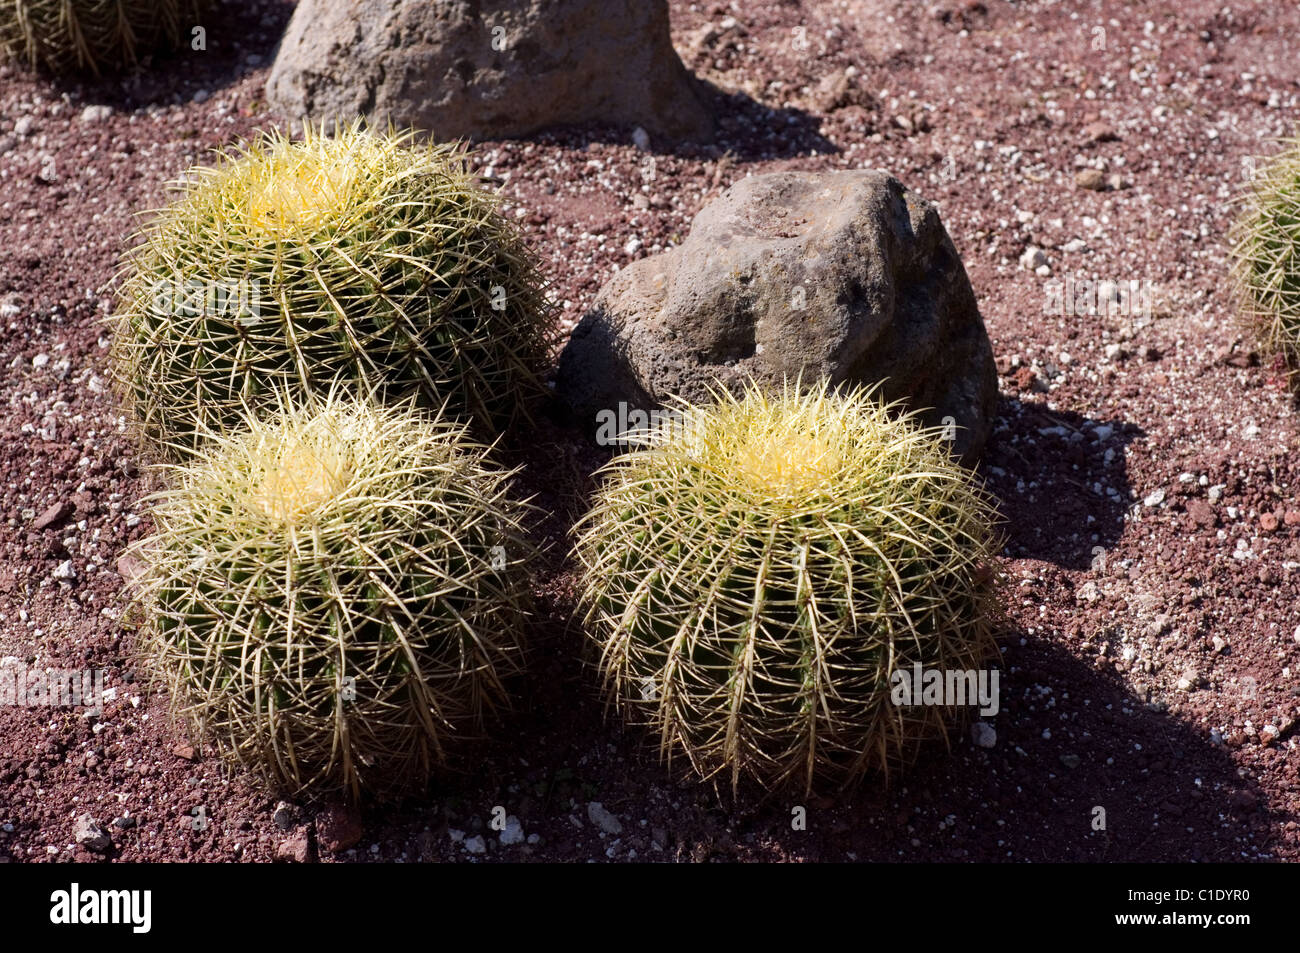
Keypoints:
pixel 1072 735
pixel 1062 479
pixel 234 31
pixel 1085 767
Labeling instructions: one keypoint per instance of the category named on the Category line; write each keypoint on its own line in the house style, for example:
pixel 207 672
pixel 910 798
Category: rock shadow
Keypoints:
pixel 1062 479
pixel 747 130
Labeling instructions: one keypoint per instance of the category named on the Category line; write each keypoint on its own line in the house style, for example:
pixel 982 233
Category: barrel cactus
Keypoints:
pixel 92 36
pixel 292 265
pixel 1266 254
pixel 755 574
pixel 334 596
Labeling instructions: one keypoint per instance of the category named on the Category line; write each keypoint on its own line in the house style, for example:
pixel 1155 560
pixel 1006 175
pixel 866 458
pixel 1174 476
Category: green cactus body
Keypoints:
pixel 354 258
pixel 321 599
pixel 753 580
pixel 1266 254
pixel 93 36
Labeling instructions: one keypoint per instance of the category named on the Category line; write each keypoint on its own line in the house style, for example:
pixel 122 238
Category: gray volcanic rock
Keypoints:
pixel 487 68
pixel 847 276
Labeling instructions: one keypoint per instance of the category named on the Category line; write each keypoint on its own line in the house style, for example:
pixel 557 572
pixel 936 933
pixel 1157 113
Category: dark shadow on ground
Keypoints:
pixel 1071 737
pixel 1045 467
pixel 240 36
pixel 1081 771
pixel 747 130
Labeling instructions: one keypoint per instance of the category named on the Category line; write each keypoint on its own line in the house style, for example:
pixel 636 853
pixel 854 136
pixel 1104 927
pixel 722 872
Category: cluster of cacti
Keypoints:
pixel 753 577
pixel 334 594
pixel 1266 254
pixel 353 258
pixel 92 36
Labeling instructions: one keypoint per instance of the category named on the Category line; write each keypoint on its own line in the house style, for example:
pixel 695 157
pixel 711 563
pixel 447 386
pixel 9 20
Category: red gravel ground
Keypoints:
pixel 1146 464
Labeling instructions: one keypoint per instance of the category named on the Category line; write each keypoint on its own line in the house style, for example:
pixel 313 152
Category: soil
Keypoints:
pixel 1145 462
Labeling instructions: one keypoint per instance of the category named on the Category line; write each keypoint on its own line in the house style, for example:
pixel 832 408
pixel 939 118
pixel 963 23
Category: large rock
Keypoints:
pixel 846 276
pixel 487 68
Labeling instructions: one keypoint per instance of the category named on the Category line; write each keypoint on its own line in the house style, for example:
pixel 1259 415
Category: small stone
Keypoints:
pixel 184 751
pixel 983 734
pixel 641 139
pixel 338 827
pixel 1033 258
pixel 1099 131
pixel 294 849
pixel 476 844
pixel 64 571
pixel 23 126
pixel 285 815
pixel 1154 498
pixel 1291 518
pixel 1025 378
pixel 1219 643
pixel 603 819
pixel 88 834
pixel 53 516
pixel 513 832
pixel 129 567
pixel 1268 522
pixel 1114 352
pixel 1117 182
pixel 96 113
pixel 1243 801
pixel 1296 635
pixel 124 823
pixel 1071 761
pixel 202 96
pixel 1094 180
pixel 1202 513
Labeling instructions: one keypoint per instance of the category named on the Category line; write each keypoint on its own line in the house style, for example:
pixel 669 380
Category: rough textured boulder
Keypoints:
pixel 487 68
pixel 843 275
